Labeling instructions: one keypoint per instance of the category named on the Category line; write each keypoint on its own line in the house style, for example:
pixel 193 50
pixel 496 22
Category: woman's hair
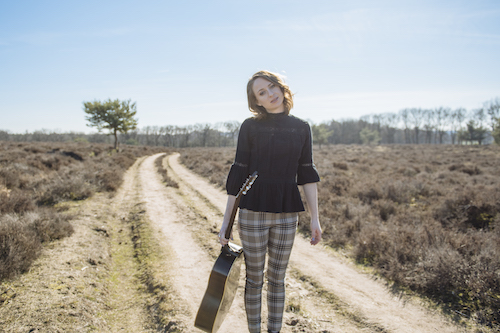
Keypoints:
pixel 259 111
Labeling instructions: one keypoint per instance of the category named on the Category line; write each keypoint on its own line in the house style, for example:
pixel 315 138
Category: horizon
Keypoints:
pixel 188 63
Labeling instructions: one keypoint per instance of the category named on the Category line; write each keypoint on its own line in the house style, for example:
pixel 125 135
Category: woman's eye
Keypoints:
pixel 262 93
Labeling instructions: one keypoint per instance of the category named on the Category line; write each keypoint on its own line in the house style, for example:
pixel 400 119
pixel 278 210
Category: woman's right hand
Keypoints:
pixel 222 238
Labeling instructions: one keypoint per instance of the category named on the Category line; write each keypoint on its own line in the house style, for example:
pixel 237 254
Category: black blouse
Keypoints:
pixel 279 148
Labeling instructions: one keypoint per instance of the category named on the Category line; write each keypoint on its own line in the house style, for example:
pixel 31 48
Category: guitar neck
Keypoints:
pixel 233 216
pixel 246 186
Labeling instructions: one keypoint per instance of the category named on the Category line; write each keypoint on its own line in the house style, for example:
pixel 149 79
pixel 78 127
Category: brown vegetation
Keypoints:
pixel 425 217
pixel 35 177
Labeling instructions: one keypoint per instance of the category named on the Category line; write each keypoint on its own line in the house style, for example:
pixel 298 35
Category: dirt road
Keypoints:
pixel 325 292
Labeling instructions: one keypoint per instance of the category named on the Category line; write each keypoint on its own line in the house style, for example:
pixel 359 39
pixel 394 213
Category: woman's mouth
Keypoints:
pixel 275 100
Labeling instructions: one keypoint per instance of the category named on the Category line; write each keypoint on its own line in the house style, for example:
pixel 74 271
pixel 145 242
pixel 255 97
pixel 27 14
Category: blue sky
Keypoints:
pixel 187 62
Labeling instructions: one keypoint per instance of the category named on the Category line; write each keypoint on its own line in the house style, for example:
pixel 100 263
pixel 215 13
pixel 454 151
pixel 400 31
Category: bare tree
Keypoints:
pixel 232 128
pixel 480 116
pixel 456 119
pixel 405 118
pixel 168 135
pixel 156 134
pixel 145 132
pixel 389 123
pixel 416 118
pixel 493 110
pixel 440 116
pixel 428 124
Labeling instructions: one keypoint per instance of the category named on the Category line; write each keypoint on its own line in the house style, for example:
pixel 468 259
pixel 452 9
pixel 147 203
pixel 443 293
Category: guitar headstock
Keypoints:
pixel 248 183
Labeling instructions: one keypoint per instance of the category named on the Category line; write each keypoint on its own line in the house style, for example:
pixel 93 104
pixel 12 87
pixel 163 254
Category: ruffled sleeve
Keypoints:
pixel 239 169
pixel 306 172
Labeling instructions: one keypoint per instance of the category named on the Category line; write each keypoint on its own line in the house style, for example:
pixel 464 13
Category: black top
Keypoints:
pixel 279 148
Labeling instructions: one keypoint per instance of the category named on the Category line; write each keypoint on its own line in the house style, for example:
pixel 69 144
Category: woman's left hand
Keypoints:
pixel 315 232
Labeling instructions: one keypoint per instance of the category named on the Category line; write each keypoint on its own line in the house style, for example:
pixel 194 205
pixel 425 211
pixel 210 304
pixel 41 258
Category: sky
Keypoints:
pixel 188 62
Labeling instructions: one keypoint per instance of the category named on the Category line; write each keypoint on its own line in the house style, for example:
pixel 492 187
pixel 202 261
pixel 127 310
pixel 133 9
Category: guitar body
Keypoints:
pixel 222 286
pixel 225 276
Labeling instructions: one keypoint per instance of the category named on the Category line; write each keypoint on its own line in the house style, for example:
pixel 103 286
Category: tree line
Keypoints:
pixel 198 135
pixel 416 126
pixel 408 126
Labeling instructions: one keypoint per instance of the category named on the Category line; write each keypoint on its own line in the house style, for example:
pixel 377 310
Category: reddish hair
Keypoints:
pixel 259 111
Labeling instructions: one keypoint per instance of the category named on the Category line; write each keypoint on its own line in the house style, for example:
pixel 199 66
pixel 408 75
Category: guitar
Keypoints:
pixel 224 278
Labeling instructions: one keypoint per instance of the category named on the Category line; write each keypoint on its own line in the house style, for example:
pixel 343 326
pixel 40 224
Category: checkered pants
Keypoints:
pixel 273 233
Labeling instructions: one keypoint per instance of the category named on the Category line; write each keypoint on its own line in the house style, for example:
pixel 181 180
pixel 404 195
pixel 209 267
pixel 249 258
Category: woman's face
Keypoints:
pixel 268 95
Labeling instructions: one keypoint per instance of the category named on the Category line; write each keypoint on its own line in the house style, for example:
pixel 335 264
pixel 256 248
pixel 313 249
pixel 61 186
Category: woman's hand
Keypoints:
pixel 311 193
pixel 315 232
pixel 222 239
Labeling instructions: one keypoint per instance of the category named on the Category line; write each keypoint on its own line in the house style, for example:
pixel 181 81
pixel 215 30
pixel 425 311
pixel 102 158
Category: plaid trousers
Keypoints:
pixel 262 233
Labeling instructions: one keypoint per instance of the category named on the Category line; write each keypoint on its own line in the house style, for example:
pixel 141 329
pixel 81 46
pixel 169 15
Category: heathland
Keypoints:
pixel 425 217
pixel 36 177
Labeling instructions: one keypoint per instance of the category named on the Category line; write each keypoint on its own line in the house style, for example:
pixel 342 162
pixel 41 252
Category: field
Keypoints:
pixel 36 177
pixel 424 217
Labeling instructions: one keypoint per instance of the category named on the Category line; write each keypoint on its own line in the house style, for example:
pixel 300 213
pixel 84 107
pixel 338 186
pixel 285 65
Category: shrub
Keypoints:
pixel 71 187
pixel 50 225
pixel 110 179
pixel 15 201
pixel 19 245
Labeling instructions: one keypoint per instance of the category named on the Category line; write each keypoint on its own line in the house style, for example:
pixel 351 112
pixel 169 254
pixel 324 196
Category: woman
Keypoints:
pixel 279 147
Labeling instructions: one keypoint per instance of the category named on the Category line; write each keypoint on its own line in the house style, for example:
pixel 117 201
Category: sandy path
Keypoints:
pixel 198 205
pixel 194 264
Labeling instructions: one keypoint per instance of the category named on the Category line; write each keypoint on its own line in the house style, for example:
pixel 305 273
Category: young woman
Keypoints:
pixel 279 147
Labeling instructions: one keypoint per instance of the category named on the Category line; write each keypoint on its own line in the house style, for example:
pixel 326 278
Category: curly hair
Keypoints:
pixel 259 111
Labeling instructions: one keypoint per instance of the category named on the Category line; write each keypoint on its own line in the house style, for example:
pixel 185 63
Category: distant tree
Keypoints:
pixel 416 118
pixel 429 126
pixel 456 118
pixel 405 118
pixel 115 116
pixel 369 137
pixel 232 128
pixel 4 135
pixel 480 116
pixel 389 122
pixel 320 134
pixel 496 132
pixel 440 116
pixel 473 133
pixel 493 110
pixel 168 138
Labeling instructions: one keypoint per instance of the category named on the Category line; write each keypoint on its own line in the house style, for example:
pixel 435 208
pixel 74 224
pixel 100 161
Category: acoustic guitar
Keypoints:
pixel 224 278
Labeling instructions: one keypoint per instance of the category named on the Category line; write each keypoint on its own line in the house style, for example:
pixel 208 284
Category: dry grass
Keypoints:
pixel 36 177
pixel 425 217
pixel 64 289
